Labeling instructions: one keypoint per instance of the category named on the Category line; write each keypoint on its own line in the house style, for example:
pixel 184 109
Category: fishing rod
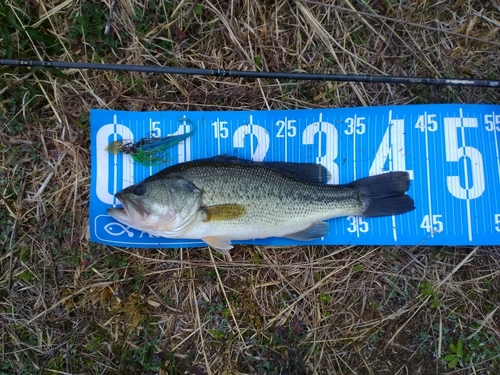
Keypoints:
pixel 257 74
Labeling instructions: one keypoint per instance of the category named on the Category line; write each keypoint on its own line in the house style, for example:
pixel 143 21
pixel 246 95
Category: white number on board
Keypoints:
pixel 357 224
pixel 286 128
pixel 109 180
pixel 392 150
pixel 220 129
pixel 256 132
pixel 432 224
pixel 327 139
pixel 474 172
pixel 154 129
pixel 492 122
pixel 355 124
pixel 427 122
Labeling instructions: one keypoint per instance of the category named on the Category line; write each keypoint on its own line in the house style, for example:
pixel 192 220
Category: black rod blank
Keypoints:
pixel 257 74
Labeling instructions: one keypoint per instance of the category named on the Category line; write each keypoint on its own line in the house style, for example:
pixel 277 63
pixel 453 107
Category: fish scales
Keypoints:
pixel 223 199
pixel 258 187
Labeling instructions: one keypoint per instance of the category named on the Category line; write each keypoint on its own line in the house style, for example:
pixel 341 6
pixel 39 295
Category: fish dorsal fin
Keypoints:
pixel 223 212
pixel 317 230
pixel 307 172
pixel 220 243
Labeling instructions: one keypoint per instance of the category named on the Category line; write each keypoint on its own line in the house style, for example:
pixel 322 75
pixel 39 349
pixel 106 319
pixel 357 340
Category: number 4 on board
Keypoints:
pixel 391 154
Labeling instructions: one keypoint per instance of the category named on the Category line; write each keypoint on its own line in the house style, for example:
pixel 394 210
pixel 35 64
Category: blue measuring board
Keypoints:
pixel 452 153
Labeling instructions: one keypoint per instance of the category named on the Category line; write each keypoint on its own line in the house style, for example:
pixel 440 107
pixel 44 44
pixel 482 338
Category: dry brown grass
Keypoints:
pixel 68 306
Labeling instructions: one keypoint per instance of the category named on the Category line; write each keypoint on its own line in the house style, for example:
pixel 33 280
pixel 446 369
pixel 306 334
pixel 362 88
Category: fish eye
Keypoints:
pixel 140 190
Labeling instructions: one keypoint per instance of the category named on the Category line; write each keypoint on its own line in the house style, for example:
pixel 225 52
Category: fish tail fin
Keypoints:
pixel 385 194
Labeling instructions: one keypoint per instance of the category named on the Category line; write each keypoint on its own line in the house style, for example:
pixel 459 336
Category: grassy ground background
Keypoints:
pixel 68 306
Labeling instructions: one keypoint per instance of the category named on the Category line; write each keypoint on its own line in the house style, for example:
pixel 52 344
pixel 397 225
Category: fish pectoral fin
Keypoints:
pixel 223 212
pixel 220 243
pixel 317 230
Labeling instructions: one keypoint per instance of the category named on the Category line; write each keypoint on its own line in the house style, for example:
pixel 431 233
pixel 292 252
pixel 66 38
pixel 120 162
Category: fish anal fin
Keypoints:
pixel 316 230
pixel 224 212
pixel 220 243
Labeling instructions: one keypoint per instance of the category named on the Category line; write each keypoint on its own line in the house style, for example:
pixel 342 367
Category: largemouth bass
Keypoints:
pixel 223 198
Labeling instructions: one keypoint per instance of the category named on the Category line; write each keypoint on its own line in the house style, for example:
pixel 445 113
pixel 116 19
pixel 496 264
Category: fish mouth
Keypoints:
pixel 118 214
pixel 132 209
